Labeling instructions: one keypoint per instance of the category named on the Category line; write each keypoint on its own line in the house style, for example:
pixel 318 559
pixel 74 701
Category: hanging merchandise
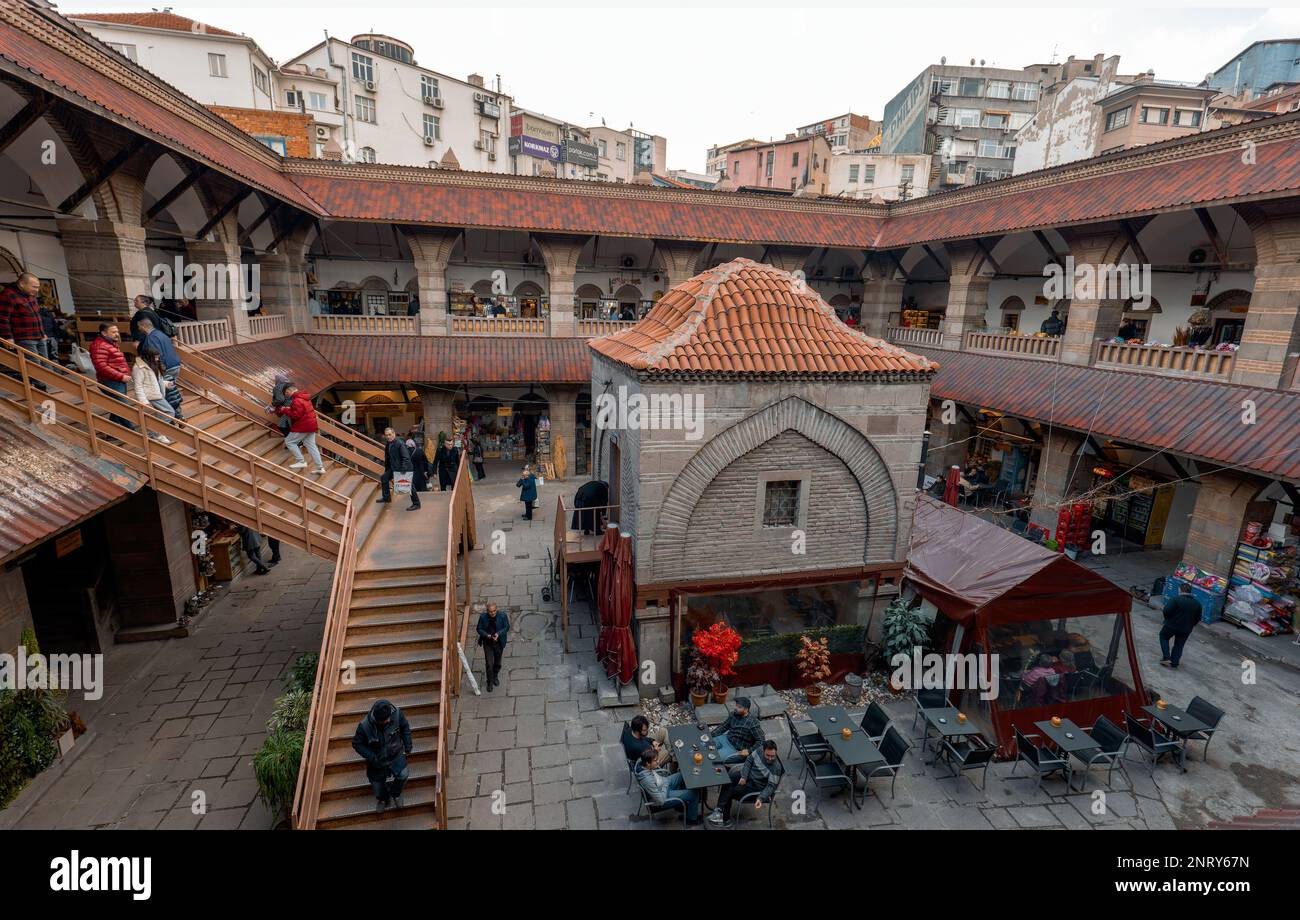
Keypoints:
pixel 1264 591
pixel 545 463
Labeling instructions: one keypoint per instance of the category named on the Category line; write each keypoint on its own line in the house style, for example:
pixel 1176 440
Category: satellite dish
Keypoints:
pixel 943 60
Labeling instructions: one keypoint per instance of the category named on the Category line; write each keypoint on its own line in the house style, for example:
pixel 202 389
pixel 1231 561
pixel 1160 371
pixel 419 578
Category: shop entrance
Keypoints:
pixel 70 590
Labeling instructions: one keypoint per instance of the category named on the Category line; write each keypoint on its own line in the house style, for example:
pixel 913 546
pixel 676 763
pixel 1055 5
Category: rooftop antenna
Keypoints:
pixel 1055 50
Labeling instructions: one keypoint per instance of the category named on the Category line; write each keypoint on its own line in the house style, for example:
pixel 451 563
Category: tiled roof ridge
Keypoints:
pixel 718 274
pixel 155 17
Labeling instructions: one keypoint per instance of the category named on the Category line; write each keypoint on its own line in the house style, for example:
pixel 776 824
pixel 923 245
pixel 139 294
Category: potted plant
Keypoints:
pixel 719 645
pixel 903 630
pixel 814 663
pixel 700 678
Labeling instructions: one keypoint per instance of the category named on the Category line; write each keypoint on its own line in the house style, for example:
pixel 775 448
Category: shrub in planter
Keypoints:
pixel 700 678
pixel 291 712
pixel 275 766
pixel 903 629
pixel 719 645
pixel 30 724
pixel 302 673
pixel 814 663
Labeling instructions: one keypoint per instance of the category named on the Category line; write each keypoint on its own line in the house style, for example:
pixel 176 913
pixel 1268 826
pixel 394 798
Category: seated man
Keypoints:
pixel 660 786
pixel 760 773
pixel 637 739
pixel 739 734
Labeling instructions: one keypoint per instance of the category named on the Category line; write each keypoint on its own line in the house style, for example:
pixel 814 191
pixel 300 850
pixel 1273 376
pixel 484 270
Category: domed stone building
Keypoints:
pixel 764 457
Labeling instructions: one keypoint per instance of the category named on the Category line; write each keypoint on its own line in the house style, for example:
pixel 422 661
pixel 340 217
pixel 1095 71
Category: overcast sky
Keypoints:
pixel 701 76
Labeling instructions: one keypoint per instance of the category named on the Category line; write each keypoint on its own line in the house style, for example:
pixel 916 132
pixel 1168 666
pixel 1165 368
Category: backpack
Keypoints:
pixel 166 326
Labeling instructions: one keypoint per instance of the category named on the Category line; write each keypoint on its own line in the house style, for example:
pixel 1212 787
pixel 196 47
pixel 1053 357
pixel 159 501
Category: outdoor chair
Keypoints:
pixel 1210 715
pixel 972 754
pixel 1151 743
pixel 805 742
pixel 929 699
pixel 826 775
pixel 893 748
pixel 669 805
pixel 631 764
pixel 1042 761
pixel 1111 742
pixel 875 721
pixel 767 797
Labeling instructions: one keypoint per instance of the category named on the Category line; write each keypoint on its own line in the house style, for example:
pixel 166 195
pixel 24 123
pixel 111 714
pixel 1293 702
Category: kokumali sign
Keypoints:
pixel 525 146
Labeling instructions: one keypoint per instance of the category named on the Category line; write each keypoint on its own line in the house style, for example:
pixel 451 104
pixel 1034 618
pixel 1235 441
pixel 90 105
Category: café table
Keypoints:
pixel 1179 723
pixel 857 751
pixel 709 774
pixel 945 724
pixel 1068 737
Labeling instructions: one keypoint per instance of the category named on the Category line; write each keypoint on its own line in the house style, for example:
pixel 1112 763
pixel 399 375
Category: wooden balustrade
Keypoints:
pixel 344 324
pixel 913 335
pixel 204 333
pixel 1042 347
pixel 596 327
pixel 456 616
pixel 1170 361
pixel 271 326
pixel 497 325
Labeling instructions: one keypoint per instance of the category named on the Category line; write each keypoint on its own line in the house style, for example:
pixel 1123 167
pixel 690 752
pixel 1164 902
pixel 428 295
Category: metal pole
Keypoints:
pixel 925 450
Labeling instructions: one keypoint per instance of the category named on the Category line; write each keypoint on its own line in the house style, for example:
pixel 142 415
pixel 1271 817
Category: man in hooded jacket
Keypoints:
pixel 383 739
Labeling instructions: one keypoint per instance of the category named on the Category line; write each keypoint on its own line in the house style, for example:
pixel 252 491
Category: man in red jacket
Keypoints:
pixel 302 428
pixel 110 365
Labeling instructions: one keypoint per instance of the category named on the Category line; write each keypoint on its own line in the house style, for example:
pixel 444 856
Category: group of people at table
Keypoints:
pixel 740 746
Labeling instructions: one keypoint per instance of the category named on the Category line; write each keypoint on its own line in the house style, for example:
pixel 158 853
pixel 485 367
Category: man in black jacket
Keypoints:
pixel 493 627
pixel 383 739
pixel 397 459
pixel 1182 613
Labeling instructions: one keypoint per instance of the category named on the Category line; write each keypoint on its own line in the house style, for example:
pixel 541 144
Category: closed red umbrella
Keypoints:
pixel 604 599
pixel 619 645
pixel 950 489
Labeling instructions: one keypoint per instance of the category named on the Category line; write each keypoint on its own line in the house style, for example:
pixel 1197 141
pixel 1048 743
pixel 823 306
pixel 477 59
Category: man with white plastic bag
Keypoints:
pixel 399 471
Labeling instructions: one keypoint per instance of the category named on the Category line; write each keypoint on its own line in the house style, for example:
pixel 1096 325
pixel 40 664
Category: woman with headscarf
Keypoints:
pixel 280 401
pixel 447 460
pixel 419 465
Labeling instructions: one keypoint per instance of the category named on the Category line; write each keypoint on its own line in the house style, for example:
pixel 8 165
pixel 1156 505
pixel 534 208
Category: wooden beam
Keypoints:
pixel 1179 469
pixel 234 202
pixel 1207 224
pixel 988 255
pixel 1291 493
pixel 289 227
pixel 1131 233
pixel 1047 247
pixel 31 113
pixel 105 172
pixel 898 264
pixel 180 189
pixel 930 253
pixel 247 232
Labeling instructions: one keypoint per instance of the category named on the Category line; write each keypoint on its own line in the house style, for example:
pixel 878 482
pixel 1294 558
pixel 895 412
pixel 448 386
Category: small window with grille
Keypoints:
pixel 781 503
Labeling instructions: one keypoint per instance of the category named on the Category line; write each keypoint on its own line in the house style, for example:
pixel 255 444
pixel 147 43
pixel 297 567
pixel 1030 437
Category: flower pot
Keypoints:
pixel 720 693
pixel 813 695
pixel 852 687
pixel 698 699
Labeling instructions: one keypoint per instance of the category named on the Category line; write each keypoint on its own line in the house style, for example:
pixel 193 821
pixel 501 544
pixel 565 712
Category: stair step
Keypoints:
pixel 401 661
pixel 404 635
pixel 397 585
pixel 408 699
pixel 383 619
pixel 419 721
pixel 423 818
pixel 341 754
pixel 366 576
pixel 359 809
pixel 415 600
pixel 371 686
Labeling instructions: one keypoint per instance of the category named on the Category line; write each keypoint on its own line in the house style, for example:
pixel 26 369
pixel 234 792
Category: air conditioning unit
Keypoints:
pixel 428 140
pixel 479 145
pixel 479 97
pixel 628 262
pixel 436 102
pixel 492 157
pixel 370 86
pixel 322 133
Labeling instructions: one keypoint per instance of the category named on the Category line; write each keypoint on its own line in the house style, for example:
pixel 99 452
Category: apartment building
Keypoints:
pixel 966 116
pixel 796 164
pixel 1068 121
pixel 1145 112
pixel 843 132
pixel 1260 65
pixel 879 176
pixel 624 154
pixel 715 160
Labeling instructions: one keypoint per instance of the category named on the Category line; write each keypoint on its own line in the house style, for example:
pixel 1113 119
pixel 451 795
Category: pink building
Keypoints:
pixel 794 164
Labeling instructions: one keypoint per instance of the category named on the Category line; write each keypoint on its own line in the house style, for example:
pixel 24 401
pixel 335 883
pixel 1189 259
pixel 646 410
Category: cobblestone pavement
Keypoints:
pixel 180 720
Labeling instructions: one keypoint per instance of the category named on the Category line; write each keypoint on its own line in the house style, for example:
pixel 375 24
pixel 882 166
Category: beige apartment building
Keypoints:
pixel 1146 112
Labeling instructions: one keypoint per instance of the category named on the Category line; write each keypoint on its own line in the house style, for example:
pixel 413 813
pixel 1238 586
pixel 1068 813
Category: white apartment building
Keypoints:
pixel 394 111
pixel 879 176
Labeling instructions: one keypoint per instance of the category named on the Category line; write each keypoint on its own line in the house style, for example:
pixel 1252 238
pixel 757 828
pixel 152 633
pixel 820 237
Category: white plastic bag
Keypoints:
pixel 402 483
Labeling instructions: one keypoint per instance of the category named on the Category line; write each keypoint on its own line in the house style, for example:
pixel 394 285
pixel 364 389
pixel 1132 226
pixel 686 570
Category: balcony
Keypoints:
pixel 590 328
pixel 204 333
pixel 347 324
pixel 271 326
pixel 1042 348
pixel 1170 361
pixel 913 335
pixel 497 325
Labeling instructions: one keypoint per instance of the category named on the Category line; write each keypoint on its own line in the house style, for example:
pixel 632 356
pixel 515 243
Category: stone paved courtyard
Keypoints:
pixel 185 716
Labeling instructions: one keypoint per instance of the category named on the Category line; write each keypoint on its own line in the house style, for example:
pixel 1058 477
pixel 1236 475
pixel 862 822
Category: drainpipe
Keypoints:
pixel 347 94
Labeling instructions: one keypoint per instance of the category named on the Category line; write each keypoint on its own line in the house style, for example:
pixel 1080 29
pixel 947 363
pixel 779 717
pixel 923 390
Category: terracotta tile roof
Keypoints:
pixel 746 318
pixel 90 75
pixel 318 362
pixel 1190 417
pixel 47 485
pixel 155 20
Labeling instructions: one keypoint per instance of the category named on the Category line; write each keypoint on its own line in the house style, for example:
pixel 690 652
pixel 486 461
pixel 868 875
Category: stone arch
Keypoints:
pixel 374 283
pixel 528 289
pixel 1233 298
pixel 792 413
pixel 192 209
pixel 590 292
pixel 628 292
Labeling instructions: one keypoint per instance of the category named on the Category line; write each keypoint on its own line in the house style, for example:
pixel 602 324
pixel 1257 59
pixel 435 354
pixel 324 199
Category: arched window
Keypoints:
pixel 1011 310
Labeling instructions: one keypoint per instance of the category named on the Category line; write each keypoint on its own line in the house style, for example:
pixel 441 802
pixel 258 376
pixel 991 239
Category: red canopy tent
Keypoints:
pixel 615 648
pixel 999 594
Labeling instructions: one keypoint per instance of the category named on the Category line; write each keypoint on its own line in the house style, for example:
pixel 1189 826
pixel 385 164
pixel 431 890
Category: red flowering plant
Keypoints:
pixel 719 645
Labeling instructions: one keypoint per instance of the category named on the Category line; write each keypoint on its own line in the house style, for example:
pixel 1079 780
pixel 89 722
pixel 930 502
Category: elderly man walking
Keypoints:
pixel 20 317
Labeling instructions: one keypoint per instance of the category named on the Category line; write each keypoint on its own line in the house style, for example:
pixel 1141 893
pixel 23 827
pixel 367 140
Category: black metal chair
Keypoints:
pixel 767 797
pixel 972 753
pixel 928 699
pixel 875 721
pixel 1111 741
pixel 1042 761
pixel 1208 713
pixel 651 809
pixel 825 775
pixel 1152 744
pixel 807 742
pixel 893 747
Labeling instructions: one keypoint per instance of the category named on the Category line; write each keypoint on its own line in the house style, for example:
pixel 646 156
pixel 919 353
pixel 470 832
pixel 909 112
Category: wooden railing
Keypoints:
pixel 271 326
pixel 344 324
pixel 204 333
pixel 1154 359
pixel 194 466
pixel 569 544
pixel 914 335
pixel 1042 347
pixel 497 325
pixel 455 628
pixel 316 741
pixel 595 327
pixel 220 383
